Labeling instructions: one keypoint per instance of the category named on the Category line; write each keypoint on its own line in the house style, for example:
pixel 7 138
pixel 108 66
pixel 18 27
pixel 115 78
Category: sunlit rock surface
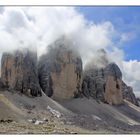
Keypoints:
pixel 60 71
pixel 19 72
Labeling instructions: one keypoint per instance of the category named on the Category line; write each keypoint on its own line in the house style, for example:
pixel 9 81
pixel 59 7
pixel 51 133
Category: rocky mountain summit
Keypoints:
pixel 104 83
pixel 60 71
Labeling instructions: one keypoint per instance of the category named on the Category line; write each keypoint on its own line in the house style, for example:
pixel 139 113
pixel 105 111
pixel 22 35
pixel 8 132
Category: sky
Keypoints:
pixel 125 19
pixel 115 29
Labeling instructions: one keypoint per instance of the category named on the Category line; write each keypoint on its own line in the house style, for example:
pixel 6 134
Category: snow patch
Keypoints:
pixel 54 112
pixel 96 117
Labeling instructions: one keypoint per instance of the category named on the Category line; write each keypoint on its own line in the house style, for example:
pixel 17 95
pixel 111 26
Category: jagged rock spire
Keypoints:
pixel 60 70
pixel 19 72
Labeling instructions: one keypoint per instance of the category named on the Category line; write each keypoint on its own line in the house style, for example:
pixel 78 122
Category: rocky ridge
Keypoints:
pixel 59 74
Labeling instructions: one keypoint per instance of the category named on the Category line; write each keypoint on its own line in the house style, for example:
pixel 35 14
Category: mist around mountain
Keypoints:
pixel 55 94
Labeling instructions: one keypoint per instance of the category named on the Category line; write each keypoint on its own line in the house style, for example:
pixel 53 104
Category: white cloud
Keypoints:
pixel 116 55
pixel 128 36
pixel 1 9
pixel 39 26
pixel 131 74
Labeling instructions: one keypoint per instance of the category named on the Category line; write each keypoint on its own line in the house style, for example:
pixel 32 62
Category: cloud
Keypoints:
pixel 127 36
pixel 131 74
pixel 1 9
pixel 15 30
pixel 40 26
pixel 37 27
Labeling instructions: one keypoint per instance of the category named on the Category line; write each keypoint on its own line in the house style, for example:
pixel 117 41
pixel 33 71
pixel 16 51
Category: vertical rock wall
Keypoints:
pixel 129 95
pixel 19 72
pixel 113 85
pixel 104 84
pixel 60 71
pixel 113 91
pixel 59 74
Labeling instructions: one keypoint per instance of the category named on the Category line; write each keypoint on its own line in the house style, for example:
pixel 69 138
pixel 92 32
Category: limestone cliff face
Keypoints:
pixel 60 71
pixel 113 92
pixel 129 95
pixel 104 84
pixel 59 74
pixel 113 85
pixel 94 84
pixel 8 69
pixel 19 72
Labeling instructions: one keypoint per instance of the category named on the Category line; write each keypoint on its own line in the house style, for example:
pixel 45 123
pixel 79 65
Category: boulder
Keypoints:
pixel 60 71
pixel 19 72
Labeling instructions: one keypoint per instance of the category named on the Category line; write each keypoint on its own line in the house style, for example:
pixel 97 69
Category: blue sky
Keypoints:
pixel 124 19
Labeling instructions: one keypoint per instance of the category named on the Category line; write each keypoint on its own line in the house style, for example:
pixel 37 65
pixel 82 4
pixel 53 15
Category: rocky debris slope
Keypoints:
pixel 60 71
pixel 21 114
pixel 9 111
pixel 95 116
pixel 81 115
pixel 19 72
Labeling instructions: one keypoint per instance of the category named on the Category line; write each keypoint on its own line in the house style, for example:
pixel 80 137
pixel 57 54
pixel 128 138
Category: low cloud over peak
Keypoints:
pixel 37 27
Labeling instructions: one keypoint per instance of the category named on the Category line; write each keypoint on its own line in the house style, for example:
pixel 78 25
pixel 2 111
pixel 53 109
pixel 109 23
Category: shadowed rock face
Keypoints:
pixel 19 72
pixel 60 71
pixel 1 84
pixel 113 70
pixel 128 94
pixel 104 84
pixel 94 84
pixel 127 91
